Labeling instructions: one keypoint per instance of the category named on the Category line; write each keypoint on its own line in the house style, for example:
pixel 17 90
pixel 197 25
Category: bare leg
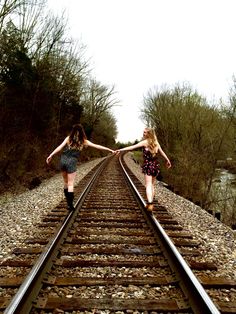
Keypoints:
pixel 149 188
pixel 65 178
pixel 153 187
pixel 71 180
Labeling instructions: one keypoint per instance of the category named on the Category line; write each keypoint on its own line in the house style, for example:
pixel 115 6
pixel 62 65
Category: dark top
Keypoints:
pixel 71 152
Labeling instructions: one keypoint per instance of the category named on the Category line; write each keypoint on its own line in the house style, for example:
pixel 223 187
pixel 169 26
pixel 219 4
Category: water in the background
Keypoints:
pixel 223 195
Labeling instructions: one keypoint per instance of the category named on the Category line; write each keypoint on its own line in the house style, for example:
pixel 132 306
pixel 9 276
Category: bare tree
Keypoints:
pixel 8 7
pixel 97 99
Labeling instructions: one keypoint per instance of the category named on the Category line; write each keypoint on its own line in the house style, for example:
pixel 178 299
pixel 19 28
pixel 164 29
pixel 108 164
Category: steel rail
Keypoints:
pixel 197 296
pixel 29 289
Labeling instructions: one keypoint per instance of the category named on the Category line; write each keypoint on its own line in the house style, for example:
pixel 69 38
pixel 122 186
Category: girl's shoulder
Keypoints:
pixel 145 143
pixel 65 141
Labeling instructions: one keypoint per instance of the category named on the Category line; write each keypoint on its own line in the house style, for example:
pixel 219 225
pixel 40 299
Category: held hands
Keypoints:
pixel 116 152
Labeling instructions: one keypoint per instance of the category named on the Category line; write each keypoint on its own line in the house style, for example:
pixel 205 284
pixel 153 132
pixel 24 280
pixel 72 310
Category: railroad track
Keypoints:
pixel 110 255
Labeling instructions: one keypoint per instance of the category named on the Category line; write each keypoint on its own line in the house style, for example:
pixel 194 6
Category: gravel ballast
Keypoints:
pixel 19 214
pixel 217 241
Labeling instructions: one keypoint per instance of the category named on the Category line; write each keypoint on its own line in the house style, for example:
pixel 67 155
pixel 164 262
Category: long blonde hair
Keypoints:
pixel 152 141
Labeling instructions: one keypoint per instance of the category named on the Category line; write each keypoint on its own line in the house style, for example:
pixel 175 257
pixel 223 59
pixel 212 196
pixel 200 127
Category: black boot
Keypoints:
pixel 66 193
pixel 70 198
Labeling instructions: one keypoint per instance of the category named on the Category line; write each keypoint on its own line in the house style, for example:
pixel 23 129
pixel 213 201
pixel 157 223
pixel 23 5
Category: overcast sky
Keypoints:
pixel 138 44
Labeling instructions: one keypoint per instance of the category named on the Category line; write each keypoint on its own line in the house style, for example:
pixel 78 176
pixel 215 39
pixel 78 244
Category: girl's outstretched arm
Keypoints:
pixel 90 144
pixel 57 150
pixel 138 145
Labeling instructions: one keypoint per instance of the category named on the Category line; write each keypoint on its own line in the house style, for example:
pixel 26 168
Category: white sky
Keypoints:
pixel 138 44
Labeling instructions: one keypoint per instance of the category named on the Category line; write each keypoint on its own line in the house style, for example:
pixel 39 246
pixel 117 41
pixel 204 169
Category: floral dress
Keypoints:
pixel 151 166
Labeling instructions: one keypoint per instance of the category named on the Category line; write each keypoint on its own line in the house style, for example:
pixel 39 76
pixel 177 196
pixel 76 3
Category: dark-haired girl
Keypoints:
pixel 72 145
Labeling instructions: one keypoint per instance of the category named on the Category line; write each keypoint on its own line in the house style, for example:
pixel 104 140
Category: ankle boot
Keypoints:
pixel 149 206
pixel 70 198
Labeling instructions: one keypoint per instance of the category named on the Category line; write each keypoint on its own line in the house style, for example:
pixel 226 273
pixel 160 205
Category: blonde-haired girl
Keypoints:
pixel 150 167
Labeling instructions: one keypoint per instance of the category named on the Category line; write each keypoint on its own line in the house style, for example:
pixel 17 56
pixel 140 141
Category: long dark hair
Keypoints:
pixel 77 137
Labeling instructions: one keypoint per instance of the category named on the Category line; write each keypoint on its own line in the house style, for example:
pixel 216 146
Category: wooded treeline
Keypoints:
pixel 46 86
pixel 195 135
